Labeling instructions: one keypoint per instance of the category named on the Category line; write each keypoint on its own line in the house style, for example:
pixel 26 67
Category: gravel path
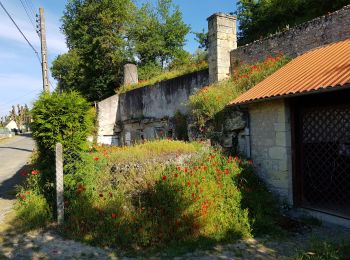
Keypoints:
pixel 50 245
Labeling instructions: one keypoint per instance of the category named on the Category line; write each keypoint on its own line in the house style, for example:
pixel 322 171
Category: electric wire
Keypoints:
pixel 9 15
pixel 29 16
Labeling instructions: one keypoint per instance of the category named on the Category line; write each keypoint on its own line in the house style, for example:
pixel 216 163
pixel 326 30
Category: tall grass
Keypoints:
pixel 166 75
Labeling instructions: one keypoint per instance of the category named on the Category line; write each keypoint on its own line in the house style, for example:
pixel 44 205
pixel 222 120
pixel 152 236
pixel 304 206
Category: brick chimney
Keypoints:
pixel 222 40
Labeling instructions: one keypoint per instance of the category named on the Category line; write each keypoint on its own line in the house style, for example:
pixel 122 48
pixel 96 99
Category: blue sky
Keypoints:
pixel 20 71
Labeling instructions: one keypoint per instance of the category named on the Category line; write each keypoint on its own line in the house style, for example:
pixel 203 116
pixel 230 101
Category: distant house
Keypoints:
pixel 299 130
pixel 11 125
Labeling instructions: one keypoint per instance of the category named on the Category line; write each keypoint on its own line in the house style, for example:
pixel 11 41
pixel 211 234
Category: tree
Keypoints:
pixel 103 35
pixel 202 39
pixel 96 34
pixel 158 36
pixel 258 18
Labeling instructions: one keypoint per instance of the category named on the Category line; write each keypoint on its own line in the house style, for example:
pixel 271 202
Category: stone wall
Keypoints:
pixel 270 138
pixel 147 112
pixel 162 99
pixel 300 39
pixel 106 117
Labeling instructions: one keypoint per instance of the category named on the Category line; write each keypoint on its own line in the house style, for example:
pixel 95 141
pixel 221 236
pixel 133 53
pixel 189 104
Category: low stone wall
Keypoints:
pixel 162 99
pixel 147 112
pixel 298 40
pixel 270 139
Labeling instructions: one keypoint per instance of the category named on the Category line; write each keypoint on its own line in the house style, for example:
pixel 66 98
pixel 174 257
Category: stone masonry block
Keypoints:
pixel 278 153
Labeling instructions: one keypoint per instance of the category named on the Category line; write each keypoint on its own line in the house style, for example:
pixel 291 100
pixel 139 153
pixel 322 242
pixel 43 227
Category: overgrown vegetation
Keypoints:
pixel 206 104
pixel 166 75
pixel 159 193
pixel 65 118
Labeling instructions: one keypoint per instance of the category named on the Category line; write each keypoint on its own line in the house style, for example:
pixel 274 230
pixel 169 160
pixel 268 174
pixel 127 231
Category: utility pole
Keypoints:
pixel 43 50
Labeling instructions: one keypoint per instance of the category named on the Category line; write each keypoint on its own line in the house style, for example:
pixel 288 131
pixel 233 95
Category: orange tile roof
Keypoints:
pixel 319 69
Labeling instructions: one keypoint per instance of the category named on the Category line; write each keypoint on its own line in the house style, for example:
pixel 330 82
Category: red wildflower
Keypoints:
pixel 23 197
pixel 205 168
pixel 96 159
pixel 185 170
pixel 176 175
pixel 110 194
pixel 238 175
pixel 179 168
pixel 35 172
pixel 226 171
pixel 114 216
pixel 188 184
pixel 164 178
pixel 24 173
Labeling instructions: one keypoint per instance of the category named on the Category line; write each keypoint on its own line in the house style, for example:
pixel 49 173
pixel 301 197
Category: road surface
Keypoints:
pixel 14 154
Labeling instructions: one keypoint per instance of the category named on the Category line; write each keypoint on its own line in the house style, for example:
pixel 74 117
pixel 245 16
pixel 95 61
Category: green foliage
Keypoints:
pixel 58 118
pixel 32 210
pixel 158 34
pixel 61 118
pixel 208 102
pixel 103 35
pixel 260 18
pixel 166 75
pixel 202 39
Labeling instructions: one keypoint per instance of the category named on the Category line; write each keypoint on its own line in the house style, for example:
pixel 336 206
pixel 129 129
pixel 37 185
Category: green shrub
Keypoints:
pixel 59 118
pixel 206 103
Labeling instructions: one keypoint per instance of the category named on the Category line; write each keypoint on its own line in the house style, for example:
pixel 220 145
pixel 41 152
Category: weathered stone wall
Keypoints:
pixel 106 117
pixel 270 138
pixel 147 112
pixel 161 100
pixel 222 40
pixel 298 40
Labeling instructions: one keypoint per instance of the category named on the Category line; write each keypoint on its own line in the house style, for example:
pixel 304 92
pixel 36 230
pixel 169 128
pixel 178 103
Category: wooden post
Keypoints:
pixel 43 51
pixel 59 184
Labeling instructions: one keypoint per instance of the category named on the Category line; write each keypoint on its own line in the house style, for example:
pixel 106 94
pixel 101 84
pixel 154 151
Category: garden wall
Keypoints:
pixel 147 112
pixel 298 40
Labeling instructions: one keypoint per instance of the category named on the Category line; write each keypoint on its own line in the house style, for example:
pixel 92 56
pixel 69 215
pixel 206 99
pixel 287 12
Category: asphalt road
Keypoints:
pixel 14 154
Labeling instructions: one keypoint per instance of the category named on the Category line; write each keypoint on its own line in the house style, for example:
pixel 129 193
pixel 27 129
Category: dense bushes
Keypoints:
pixel 66 118
pixel 209 101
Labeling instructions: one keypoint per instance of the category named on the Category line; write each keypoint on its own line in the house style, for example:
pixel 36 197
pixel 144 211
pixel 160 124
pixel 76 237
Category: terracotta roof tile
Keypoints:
pixel 321 68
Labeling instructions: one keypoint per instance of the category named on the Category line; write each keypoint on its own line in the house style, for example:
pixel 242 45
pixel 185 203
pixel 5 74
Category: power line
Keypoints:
pixel 29 16
pixel 8 14
pixel 31 7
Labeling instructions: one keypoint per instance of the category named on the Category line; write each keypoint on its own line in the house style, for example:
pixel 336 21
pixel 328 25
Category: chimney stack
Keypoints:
pixel 130 74
pixel 222 40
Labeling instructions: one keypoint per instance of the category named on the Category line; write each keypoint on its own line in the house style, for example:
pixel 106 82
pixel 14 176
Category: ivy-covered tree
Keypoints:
pixel 258 18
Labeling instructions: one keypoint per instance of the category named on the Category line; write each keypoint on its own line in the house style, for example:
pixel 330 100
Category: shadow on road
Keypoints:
pixel 15 148
pixel 7 187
